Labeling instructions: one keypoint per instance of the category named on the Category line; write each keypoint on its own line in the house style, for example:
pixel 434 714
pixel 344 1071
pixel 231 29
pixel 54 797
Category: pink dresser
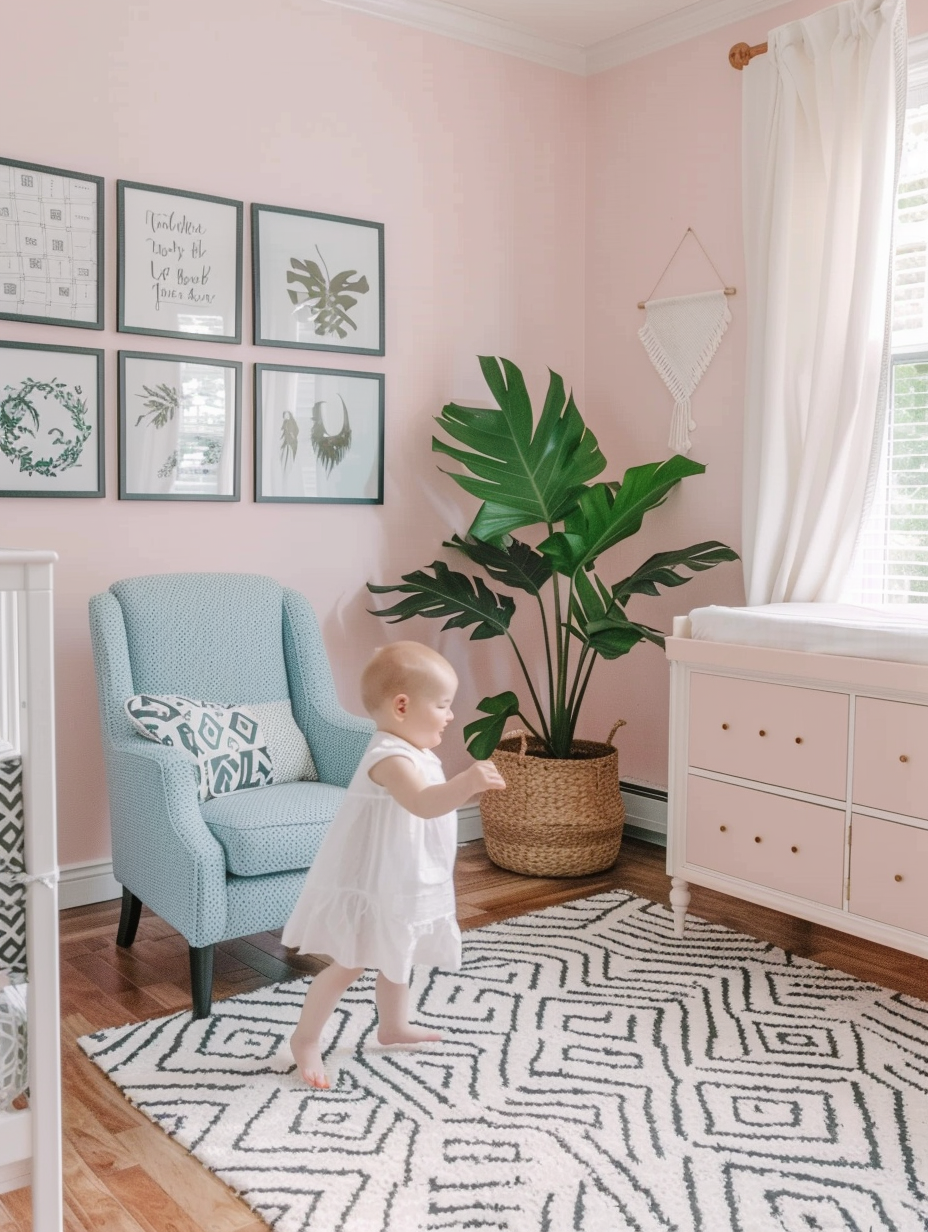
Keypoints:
pixel 800 781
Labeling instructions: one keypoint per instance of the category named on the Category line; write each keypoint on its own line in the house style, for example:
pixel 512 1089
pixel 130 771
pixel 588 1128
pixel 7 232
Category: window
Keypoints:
pixel 892 556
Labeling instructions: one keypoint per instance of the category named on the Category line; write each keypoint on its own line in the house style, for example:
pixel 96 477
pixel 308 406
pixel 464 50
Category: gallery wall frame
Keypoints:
pixel 318 281
pixel 180 427
pixel 51 420
pixel 179 262
pixel 319 435
pixel 51 245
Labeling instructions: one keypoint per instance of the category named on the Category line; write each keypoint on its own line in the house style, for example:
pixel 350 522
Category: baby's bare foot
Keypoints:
pixel 308 1057
pixel 406 1034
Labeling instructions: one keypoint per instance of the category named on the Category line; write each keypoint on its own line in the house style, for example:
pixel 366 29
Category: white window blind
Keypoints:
pixel 892 556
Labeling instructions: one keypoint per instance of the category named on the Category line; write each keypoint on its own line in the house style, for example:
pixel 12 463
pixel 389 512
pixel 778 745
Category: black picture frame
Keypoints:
pixel 285 244
pixel 361 483
pixel 193 454
pixel 17 459
pixel 165 265
pixel 57 224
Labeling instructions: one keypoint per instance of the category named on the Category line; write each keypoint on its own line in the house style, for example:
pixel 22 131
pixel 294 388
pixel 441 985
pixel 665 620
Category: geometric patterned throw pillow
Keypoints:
pixel 290 755
pixel 226 742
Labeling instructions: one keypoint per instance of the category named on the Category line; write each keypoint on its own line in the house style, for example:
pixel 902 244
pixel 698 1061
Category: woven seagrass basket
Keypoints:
pixel 558 817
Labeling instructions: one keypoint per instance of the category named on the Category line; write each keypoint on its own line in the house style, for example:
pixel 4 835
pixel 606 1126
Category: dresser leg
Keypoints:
pixel 679 900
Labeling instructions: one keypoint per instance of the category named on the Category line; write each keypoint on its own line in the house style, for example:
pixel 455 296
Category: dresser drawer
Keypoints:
pixel 792 737
pixel 891 756
pixel 889 873
pixel 788 845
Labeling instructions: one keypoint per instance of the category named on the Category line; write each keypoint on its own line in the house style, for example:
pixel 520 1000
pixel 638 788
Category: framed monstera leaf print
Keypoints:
pixel 179 427
pixel 51 420
pixel 318 435
pixel 318 281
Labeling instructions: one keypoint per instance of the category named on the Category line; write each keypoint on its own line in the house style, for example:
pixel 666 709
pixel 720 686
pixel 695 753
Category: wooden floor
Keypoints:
pixel 123 1174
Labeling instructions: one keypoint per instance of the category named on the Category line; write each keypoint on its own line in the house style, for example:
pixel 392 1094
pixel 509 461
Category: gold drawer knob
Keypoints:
pixel 762 732
pixel 756 838
pixel 902 757
pixel 724 727
pixel 723 828
pixel 898 877
pixel 794 850
pixel 799 739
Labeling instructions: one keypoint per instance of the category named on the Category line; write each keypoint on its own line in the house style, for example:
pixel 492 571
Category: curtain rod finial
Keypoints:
pixel 742 54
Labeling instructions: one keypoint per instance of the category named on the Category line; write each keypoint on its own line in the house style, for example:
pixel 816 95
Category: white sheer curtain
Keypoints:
pixel 823 118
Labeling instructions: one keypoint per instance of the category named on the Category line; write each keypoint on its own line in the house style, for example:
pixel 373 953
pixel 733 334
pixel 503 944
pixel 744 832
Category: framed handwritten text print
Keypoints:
pixel 180 264
pixel 51 245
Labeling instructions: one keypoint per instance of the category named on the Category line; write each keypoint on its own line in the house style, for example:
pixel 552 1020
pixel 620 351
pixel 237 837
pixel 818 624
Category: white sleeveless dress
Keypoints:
pixel 380 892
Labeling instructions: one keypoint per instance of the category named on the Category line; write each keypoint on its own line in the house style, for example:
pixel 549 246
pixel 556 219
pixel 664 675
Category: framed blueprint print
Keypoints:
pixel 51 245
pixel 318 281
pixel 51 420
pixel 180 263
pixel 318 435
pixel 179 427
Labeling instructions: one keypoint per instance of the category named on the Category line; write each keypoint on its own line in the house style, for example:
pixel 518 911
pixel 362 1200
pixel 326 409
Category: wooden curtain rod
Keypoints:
pixel 742 54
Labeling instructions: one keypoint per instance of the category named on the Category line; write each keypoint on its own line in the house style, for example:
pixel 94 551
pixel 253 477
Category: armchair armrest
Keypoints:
pixel 336 737
pixel 162 849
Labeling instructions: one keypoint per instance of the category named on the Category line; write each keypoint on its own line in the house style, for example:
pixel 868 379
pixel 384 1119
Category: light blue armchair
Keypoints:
pixel 235 864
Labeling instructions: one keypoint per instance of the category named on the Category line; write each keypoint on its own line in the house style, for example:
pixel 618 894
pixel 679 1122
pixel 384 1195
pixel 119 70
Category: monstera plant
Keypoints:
pixel 544 475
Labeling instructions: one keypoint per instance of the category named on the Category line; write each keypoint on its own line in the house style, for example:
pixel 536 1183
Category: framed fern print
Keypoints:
pixel 318 281
pixel 51 420
pixel 180 427
pixel 318 435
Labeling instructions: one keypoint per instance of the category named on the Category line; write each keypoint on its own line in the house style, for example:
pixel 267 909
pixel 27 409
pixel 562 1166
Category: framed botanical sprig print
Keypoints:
pixel 179 427
pixel 180 263
pixel 318 281
pixel 51 245
pixel 318 435
pixel 51 420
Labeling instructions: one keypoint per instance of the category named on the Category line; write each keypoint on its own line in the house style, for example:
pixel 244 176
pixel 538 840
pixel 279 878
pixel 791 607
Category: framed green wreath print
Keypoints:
pixel 51 420
pixel 318 435
pixel 318 281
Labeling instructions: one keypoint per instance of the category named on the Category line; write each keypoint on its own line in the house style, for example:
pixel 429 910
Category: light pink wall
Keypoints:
pixel 474 162
pixel 664 153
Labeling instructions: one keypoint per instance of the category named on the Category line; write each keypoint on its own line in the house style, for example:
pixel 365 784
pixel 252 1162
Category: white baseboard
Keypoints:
pixel 470 823
pixel 15 1176
pixel 91 881
pixel 645 817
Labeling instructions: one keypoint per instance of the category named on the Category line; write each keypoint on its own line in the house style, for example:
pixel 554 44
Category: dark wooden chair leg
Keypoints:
pixel 128 918
pixel 201 979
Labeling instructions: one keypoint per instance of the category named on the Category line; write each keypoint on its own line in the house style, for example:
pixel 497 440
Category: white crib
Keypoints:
pixel 30 1140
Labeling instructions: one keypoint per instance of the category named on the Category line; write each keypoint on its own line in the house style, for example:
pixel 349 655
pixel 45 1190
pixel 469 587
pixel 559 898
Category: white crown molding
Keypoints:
pixel 688 23
pixel 453 21
pixel 474 28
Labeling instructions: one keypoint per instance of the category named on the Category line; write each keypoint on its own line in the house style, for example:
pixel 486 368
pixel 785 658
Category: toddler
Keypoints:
pixel 380 892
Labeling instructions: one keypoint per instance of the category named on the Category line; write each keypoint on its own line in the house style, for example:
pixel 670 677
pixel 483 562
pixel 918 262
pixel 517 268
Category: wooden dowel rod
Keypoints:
pixel 728 291
pixel 742 54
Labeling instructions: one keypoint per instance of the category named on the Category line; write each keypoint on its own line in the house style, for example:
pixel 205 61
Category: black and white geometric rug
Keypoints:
pixel 597 1075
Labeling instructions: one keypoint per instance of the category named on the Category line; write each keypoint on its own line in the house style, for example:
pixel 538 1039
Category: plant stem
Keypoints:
pixel 520 715
pixel 531 687
pixel 546 633
pixel 580 662
pixel 586 680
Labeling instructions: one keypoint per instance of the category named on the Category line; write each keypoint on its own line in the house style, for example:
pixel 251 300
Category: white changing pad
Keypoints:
pixel 897 633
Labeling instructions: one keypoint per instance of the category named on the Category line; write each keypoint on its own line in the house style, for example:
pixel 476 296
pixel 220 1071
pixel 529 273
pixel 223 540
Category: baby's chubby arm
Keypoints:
pixel 407 786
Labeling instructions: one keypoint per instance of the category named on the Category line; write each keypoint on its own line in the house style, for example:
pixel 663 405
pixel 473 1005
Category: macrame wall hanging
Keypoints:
pixel 680 335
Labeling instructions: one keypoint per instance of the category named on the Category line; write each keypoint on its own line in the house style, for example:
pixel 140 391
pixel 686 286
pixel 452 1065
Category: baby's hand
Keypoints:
pixel 486 777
